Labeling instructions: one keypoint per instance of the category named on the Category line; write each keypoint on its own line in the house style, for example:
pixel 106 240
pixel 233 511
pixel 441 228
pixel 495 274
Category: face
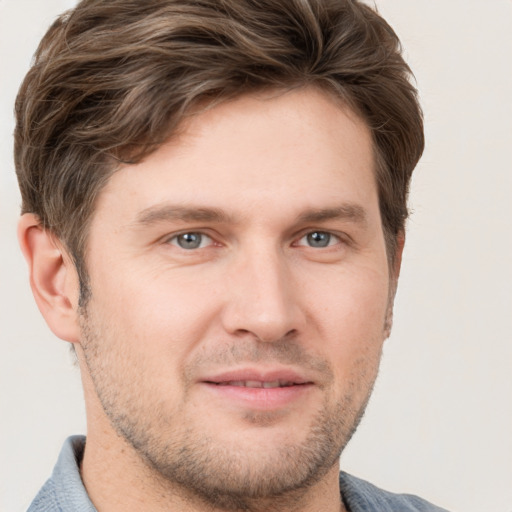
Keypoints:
pixel 239 296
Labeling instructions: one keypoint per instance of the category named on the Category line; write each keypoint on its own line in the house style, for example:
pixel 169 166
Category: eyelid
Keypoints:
pixel 172 239
pixel 340 238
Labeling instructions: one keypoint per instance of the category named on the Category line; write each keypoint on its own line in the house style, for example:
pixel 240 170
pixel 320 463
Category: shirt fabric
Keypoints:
pixel 65 492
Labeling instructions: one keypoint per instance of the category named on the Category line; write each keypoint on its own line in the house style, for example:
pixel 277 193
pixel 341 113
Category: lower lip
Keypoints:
pixel 260 398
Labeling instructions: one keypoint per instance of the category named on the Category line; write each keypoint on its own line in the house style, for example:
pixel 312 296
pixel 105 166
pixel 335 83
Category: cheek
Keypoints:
pixel 152 310
pixel 350 316
pixel 352 305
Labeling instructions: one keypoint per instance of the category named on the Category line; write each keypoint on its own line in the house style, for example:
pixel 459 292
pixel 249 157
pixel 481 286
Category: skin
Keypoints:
pixel 288 282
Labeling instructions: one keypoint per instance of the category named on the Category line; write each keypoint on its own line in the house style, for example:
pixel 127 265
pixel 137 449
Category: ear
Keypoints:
pixel 53 277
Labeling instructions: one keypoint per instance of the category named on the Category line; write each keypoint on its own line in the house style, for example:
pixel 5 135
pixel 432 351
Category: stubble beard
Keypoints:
pixel 184 459
pixel 234 479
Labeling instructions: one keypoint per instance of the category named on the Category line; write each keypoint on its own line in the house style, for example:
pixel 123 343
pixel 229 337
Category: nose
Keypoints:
pixel 263 300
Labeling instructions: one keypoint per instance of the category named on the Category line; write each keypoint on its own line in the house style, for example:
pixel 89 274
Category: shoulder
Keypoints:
pixel 64 490
pixel 362 496
pixel 46 499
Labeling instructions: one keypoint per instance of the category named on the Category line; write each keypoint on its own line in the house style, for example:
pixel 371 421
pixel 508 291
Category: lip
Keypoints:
pixel 262 375
pixel 226 387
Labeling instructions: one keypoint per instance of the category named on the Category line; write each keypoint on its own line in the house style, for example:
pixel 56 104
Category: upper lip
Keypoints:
pixel 282 375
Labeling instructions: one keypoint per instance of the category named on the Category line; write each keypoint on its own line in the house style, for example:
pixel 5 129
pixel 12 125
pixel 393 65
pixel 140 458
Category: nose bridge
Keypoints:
pixel 261 294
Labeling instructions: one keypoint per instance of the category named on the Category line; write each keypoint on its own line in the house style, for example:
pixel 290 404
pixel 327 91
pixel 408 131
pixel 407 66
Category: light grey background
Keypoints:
pixel 440 421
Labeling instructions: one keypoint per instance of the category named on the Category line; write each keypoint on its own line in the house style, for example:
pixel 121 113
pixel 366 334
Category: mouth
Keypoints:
pixel 259 378
pixel 257 383
pixel 259 390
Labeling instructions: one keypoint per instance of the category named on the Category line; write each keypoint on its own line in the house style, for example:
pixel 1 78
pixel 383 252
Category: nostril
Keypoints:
pixel 264 320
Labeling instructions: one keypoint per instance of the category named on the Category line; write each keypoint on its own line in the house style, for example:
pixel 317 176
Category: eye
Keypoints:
pixel 319 239
pixel 190 241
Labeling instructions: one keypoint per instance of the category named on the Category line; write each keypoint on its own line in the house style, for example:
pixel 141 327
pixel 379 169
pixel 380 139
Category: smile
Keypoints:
pixel 259 390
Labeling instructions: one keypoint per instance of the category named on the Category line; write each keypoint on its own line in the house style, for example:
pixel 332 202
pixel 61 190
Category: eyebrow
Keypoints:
pixel 352 212
pixel 169 213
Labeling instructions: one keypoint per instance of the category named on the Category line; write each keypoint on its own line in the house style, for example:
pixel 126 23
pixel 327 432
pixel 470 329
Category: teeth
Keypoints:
pixel 253 384
pixel 257 384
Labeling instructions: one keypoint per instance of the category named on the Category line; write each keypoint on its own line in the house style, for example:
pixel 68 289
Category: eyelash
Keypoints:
pixel 174 240
pixel 330 238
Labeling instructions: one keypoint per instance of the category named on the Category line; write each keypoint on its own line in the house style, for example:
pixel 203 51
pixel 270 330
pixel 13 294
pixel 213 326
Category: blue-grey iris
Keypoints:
pixel 189 240
pixel 319 239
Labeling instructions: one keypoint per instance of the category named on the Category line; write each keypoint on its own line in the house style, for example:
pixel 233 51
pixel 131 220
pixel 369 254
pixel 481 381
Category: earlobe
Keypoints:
pixel 53 277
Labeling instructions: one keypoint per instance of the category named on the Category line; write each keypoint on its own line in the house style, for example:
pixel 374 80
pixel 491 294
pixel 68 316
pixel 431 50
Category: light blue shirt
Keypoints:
pixel 65 492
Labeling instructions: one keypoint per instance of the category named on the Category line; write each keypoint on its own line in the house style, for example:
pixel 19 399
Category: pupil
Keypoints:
pixel 319 239
pixel 189 240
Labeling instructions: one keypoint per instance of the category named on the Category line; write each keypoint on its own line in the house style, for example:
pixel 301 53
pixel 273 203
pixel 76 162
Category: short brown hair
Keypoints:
pixel 112 80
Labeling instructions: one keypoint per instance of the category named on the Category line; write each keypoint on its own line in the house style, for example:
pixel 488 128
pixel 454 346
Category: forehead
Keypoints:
pixel 272 151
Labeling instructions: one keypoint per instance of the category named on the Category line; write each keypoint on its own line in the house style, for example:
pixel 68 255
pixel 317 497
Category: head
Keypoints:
pixel 112 81
pixel 213 242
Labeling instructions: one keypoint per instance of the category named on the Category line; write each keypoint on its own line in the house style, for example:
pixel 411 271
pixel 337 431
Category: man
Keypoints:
pixel 214 197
